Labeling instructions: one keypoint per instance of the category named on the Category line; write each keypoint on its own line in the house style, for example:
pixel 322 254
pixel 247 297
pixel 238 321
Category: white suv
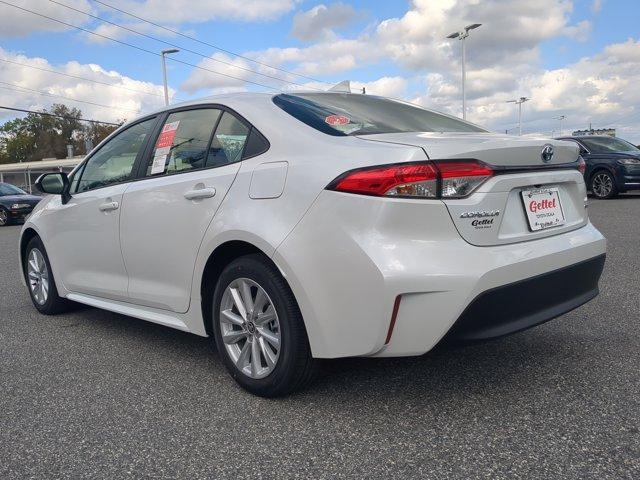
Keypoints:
pixel 295 227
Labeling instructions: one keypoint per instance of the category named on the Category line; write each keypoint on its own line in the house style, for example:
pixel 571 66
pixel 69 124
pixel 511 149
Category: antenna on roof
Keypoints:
pixel 342 87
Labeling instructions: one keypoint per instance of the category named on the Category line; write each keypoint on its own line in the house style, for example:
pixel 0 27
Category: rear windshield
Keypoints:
pixel 608 144
pixel 356 114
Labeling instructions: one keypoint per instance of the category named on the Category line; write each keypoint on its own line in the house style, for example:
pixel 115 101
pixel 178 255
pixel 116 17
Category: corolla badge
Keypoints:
pixel 480 214
pixel 547 153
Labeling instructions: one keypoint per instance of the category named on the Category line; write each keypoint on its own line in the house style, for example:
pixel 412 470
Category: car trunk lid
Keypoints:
pixel 496 212
pixel 493 149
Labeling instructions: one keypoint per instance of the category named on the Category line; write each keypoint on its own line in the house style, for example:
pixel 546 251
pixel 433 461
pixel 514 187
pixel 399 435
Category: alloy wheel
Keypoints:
pixel 602 185
pixel 250 328
pixel 38 276
pixel 3 217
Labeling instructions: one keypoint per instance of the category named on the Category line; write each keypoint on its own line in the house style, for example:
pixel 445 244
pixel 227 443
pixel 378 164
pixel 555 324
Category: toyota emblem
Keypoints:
pixel 547 153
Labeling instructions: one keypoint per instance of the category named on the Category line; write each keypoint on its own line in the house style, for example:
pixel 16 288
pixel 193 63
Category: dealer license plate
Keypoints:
pixel 543 208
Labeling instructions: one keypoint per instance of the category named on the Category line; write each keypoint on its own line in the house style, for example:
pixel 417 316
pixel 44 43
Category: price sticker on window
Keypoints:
pixel 167 135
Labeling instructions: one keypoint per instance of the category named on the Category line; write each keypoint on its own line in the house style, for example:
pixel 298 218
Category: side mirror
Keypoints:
pixel 55 184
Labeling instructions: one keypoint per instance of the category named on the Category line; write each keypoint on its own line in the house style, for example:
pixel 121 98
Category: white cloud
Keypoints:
pixel 176 12
pixel 596 6
pixel 503 61
pixel 601 89
pixel 114 31
pixel 122 100
pixel 324 58
pixel 18 23
pixel 321 20
pixel 511 35
pixel 221 73
pixel 580 31
pixel 394 87
pixel 201 79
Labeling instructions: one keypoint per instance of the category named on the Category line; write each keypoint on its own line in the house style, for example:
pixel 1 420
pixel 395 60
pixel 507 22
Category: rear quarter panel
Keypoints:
pixel 313 160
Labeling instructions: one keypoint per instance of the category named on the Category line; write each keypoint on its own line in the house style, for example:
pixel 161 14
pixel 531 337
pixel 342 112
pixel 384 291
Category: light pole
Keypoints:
pixel 561 118
pixel 519 102
pixel 461 36
pixel 164 72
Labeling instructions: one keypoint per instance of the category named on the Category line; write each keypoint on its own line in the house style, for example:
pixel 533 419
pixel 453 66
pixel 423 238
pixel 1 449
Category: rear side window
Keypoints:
pixel 355 114
pixel 183 143
pixel 228 141
pixel 199 138
pixel 256 144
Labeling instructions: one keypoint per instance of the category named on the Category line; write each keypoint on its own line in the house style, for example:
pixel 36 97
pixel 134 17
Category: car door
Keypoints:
pixel 85 240
pixel 188 171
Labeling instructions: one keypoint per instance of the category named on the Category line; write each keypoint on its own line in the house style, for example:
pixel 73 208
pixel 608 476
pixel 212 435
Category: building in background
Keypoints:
pixel 611 132
pixel 24 174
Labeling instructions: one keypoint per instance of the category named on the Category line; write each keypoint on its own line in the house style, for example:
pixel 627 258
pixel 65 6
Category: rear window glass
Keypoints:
pixel 355 114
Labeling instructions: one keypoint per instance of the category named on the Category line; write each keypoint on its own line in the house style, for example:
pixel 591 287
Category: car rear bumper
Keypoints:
pixel 375 277
pixel 530 302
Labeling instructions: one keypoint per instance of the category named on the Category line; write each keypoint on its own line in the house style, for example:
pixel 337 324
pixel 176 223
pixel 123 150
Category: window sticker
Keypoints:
pixel 163 146
pixel 160 160
pixel 335 120
pixel 158 164
pixel 167 135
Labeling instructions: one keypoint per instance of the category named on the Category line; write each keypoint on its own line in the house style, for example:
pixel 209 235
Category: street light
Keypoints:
pixel 461 36
pixel 519 102
pixel 164 72
pixel 561 118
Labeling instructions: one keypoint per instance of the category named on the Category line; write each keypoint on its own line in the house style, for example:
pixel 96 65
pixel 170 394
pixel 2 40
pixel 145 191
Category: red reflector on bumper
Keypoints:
pixel 394 315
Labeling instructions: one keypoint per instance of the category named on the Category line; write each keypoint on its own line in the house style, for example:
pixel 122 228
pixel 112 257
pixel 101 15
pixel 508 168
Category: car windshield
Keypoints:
pixel 7 189
pixel 609 144
pixel 356 114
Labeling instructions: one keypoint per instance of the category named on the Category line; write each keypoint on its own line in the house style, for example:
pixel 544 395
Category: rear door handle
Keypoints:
pixel 200 193
pixel 108 206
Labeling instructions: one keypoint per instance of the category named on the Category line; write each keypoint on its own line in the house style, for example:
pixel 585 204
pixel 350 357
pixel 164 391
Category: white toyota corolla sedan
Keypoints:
pixel 296 227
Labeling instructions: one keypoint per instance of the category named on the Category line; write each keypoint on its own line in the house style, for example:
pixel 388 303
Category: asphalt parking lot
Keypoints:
pixel 93 394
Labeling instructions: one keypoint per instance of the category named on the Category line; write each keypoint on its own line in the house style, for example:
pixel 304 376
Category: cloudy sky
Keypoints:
pixel 580 58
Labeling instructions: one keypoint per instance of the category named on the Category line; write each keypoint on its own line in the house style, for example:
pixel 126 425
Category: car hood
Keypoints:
pixel 30 199
pixel 491 148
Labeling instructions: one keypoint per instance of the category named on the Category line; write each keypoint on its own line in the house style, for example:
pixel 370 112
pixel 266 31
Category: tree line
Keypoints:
pixel 47 134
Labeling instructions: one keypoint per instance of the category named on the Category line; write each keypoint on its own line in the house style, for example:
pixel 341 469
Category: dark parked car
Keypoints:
pixel 15 204
pixel 613 164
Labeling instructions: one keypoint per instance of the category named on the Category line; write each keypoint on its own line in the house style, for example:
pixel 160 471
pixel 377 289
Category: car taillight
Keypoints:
pixel 401 180
pixel 433 179
pixel 460 178
pixel 582 165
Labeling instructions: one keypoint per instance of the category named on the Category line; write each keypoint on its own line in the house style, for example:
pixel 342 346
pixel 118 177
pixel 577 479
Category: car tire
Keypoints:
pixel 4 217
pixel 40 280
pixel 247 343
pixel 603 185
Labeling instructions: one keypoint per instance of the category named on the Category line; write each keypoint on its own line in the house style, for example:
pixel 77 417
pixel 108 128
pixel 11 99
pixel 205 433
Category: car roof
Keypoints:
pixel 219 98
pixel 232 98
